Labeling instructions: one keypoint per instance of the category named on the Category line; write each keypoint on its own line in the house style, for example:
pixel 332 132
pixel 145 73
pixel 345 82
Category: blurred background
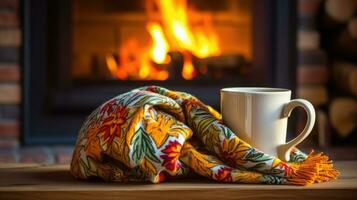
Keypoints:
pixel 60 59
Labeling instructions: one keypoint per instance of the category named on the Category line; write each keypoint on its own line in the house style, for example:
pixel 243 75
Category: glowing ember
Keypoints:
pixel 173 33
pixel 188 70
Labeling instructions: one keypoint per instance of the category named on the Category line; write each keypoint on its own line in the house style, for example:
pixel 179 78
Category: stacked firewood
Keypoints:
pixel 327 68
pixel 10 81
pixel 338 28
pixel 312 71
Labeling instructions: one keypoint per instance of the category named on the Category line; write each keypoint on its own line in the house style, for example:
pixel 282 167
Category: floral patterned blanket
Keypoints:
pixel 153 134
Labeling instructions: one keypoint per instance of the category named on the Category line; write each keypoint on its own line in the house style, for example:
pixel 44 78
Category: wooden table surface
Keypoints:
pixel 21 181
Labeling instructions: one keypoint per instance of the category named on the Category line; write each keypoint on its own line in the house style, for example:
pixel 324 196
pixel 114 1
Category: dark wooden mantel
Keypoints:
pixel 21 181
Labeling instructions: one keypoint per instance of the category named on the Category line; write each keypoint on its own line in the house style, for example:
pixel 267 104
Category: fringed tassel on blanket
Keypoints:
pixel 316 168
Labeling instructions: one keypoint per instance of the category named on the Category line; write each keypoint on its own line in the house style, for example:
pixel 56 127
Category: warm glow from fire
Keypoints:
pixel 173 32
pixel 112 65
pixel 201 42
pixel 160 47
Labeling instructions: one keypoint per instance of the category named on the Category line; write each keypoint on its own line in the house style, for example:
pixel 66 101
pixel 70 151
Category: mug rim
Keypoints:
pixel 255 90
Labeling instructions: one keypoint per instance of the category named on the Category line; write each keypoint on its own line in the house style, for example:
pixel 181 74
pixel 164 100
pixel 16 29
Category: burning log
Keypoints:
pixel 228 61
pixel 97 68
pixel 183 66
pixel 217 66
pixel 203 68
pixel 176 65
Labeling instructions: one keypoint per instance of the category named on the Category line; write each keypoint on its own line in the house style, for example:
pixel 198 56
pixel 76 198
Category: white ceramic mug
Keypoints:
pixel 259 117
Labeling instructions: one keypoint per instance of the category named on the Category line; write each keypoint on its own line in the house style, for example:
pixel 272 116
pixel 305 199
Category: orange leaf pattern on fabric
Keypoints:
pixel 224 174
pixel 171 156
pixel 112 125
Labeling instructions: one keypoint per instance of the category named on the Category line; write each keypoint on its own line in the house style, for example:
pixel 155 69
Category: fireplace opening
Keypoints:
pixel 159 40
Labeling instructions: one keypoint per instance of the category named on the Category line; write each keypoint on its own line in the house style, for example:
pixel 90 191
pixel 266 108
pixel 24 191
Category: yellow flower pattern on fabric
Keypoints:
pixel 160 128
pixel 233 151
pixel 154 134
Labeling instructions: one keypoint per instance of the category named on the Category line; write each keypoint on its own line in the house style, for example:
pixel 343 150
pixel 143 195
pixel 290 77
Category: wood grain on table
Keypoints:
pixel 31 181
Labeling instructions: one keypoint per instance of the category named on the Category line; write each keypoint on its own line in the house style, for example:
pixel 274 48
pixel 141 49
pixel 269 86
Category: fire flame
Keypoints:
pixel 173 32
pixel 160 47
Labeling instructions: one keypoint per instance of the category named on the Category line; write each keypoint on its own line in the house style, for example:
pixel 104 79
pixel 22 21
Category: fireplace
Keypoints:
pixel 77 54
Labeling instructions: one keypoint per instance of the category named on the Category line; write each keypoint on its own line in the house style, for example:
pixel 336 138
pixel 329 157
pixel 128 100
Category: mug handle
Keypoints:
pixel 285 149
